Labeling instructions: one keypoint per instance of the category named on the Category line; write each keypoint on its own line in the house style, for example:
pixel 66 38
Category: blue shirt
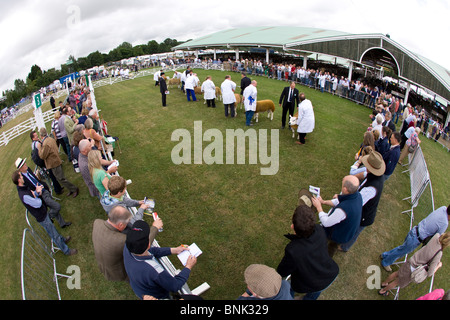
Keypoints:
pixel 436 222
pixel 148 276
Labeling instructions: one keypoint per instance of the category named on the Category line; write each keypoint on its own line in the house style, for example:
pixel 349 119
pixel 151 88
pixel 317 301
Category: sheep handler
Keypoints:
pixel 305 120
pixel 249 95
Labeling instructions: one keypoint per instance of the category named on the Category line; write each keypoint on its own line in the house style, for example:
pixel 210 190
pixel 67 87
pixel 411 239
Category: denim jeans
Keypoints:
pixel 54 235
pixel 248 117
pixel 189 93
pixel 346 246
pixel 410 244
pixel 313 295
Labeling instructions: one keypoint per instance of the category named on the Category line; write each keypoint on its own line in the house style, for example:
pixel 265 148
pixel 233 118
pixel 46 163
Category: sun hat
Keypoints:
pixel 20 162
pixel 374 163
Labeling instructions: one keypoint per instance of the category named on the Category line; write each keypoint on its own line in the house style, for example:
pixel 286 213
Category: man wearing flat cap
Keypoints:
pixel 264 283
pixel 147 275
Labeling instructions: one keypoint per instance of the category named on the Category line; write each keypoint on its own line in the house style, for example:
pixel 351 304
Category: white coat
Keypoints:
pixel 249 95
pixel 228 87
pixel 156 75
pixel 305 120
pixel 209 89
pixel 191 82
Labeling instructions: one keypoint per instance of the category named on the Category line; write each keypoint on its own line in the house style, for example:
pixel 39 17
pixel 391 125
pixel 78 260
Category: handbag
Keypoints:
pixel 421 272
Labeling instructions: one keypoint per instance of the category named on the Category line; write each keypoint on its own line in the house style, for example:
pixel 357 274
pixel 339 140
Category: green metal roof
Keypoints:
pixel 263 36
pixel 412 66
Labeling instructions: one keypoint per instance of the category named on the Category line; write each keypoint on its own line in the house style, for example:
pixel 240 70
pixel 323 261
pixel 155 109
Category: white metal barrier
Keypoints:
pixel 39 279
pixel 419 180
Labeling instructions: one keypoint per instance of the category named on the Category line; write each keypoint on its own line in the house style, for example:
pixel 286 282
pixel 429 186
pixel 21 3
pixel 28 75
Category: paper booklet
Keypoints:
pixel 194 250
pixel 315 191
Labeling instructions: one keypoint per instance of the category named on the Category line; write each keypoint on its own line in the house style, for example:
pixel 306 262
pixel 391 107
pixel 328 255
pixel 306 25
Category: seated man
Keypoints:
pixel 31 181
pixel 32 200
pixel 117 195
pixel 108 238
pixel 147 275
pixel 264 283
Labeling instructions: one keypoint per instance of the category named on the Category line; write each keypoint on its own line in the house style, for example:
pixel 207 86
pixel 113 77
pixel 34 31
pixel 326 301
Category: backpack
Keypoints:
pixel 35 157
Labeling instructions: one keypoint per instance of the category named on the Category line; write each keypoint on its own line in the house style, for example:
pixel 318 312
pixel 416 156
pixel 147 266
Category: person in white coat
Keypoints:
pixel 209 92
pixel 306 120
pixel 250 97
pixel 191 83
pixel 156 77
pixel 228 87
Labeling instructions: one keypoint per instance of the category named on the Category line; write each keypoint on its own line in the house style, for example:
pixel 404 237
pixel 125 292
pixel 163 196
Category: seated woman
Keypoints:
pixel 99 175
pixel 90 133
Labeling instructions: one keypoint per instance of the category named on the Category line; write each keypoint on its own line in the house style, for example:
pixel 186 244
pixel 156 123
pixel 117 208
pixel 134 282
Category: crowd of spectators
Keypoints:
pixel 123 242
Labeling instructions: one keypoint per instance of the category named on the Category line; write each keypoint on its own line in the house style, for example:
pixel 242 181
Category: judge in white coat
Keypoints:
pixel 250 96
pixel 306 120
pixel 209 92
pixel 229 99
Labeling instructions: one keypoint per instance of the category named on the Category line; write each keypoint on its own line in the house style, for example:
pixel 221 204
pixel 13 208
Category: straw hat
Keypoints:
pixel 19 162
pixel 374 163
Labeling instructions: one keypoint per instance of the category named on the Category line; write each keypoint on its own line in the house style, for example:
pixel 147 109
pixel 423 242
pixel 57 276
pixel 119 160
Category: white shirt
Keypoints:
pixel 156 75
pixel 306 119
pixel 190 83
pixel 228 87
pixel 209 89
pixel 250 93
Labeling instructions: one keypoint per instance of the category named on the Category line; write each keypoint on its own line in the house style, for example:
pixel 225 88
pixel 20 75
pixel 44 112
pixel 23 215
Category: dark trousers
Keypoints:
pixel 211 103
pixel 287 107
pixel 59 174
pixel 231 106
pixel 301 137
pixel 163 98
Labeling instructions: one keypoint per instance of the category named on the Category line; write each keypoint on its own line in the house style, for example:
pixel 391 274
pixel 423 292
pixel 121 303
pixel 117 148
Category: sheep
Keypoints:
pixel 198 90
pixel 173 82
pixel 218 94
pixel 293 123
pixel 265 105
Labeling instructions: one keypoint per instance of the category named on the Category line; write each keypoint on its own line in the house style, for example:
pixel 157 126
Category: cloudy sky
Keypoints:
pixel 46 32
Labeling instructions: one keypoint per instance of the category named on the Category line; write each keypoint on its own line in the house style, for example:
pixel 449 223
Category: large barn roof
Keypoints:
pixel 411 67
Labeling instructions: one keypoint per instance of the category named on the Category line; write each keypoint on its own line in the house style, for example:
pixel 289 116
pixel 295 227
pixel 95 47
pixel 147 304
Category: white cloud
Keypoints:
pixel 43 32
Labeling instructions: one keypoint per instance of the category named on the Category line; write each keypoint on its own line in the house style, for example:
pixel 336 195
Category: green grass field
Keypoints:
pixel 234 214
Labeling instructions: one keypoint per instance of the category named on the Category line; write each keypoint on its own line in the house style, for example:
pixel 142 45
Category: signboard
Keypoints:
pixel 37 101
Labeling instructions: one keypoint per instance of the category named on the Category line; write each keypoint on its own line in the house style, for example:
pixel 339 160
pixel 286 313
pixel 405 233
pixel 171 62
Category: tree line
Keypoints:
pixel 38 78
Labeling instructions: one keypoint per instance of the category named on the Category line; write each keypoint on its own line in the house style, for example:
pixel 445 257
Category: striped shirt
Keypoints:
pixel 55 129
